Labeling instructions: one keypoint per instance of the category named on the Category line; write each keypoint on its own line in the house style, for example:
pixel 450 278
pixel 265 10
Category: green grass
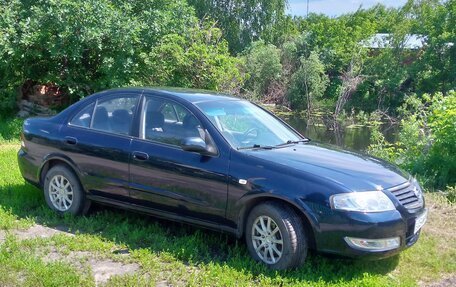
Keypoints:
pixel 10 129
pixel 184 255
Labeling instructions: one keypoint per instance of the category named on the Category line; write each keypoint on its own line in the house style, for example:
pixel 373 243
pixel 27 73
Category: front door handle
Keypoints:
pixel 140 155
pixel 71 140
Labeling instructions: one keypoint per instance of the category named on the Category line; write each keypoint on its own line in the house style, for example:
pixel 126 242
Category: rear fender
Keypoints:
pixel 57 157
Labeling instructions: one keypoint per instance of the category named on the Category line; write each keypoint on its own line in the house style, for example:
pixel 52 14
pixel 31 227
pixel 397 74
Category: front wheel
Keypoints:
pixel 63 192
pixel 275 236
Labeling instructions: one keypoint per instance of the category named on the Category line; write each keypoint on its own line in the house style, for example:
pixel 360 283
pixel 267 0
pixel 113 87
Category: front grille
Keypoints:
pixel 407 195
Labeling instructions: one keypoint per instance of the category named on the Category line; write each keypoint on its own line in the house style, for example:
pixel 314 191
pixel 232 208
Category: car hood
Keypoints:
pixel 353 171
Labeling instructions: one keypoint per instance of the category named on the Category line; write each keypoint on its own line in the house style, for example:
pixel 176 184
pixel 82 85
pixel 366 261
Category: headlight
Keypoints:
pixel 417 189
pixel 365 201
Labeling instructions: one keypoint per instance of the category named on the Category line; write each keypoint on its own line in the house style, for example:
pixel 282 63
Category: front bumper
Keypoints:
pixel 333 227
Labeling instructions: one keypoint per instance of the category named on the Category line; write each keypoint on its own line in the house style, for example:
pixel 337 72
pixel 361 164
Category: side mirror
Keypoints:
pixel 195 144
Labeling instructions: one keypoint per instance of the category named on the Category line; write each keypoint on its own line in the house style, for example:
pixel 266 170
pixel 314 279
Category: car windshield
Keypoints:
pixel 245 125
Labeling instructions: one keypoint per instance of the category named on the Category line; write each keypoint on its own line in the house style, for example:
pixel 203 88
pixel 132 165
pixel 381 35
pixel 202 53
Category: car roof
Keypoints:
pixel 191 95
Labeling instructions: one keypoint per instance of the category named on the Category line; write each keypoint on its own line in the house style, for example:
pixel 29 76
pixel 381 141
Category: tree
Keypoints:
pixel 242 21
pixel 425 142
pixel 308 83
pixel 351 79
pixel 199 59
pixel 262 63
pixel 436 68
pixel 91 45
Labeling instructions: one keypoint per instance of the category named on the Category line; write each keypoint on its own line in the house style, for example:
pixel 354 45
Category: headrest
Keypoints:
pixel 154 120
pixel 101 113
pixel 190 121
pixel 119 116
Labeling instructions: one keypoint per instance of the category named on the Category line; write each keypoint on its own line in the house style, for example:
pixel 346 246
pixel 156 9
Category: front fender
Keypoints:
pixel 250 200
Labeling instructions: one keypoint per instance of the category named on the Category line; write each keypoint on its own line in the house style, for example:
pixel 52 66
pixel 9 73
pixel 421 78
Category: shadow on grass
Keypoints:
pixel 190 245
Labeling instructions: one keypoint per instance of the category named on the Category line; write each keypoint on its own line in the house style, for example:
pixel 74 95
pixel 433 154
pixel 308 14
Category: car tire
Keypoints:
pixel 63 192
pixel 277 233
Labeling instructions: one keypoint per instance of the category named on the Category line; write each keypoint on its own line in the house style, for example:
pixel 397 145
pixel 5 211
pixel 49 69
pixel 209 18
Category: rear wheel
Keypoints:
pixel 275 236
pixel 63 192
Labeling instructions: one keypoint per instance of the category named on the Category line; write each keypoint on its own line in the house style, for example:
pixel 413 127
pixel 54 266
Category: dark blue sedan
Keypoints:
pixel 221 163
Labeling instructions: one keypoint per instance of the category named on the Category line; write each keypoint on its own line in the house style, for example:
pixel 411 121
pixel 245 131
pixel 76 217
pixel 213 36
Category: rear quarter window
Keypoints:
pixel 84 117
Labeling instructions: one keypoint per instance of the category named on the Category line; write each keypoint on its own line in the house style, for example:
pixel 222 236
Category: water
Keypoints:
pixel 346 135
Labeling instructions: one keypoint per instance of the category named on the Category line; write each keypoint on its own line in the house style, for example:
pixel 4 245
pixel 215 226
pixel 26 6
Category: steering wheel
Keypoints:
pixel 250 133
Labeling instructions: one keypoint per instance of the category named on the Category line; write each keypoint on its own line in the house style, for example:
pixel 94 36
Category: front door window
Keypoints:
pixel 169 122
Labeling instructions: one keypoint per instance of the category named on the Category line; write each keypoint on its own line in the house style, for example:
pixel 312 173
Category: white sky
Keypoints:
pixel 336 7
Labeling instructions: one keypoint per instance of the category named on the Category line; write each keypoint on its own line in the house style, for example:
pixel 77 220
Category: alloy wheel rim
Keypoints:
pixel 267 239
pixel 61 193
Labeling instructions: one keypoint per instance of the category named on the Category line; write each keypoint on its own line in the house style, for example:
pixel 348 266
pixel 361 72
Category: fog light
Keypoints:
pixel 383 244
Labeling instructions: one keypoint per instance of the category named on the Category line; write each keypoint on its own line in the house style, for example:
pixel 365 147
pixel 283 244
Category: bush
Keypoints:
pixel 86 46
pixel 198 59
pixel 308 83
pixel 10 129
pixel 7 100
pixel 442 154
pixel 262 64
pixel 426 143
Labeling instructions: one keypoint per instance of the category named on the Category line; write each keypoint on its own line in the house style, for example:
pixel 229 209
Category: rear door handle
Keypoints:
pixel 140 155
pixel 71 140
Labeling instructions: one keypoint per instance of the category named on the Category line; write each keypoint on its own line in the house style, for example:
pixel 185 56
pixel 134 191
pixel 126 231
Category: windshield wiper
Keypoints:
pixel 256 146
pixel 299 141
pixel 294 142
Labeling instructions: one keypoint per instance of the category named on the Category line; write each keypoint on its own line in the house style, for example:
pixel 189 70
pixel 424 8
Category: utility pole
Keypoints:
pixel 307 14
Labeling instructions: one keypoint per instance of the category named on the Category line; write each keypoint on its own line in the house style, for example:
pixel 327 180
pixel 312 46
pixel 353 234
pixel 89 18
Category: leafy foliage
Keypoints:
pixel 262 63
pixel 10 129
pixel 85 46
pixel 442 156
pixel 377 78
pixel 243 21
pixel 90 45
pixel 199 59
pixel 426 143
pixel 308 82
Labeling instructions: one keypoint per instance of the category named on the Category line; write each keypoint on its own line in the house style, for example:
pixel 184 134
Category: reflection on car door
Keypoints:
pixel 98 140
pixel 166 178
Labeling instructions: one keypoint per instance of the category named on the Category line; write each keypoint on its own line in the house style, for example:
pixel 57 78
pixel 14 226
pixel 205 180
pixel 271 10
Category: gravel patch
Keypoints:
pixel 162 284
pixel 102 269
pixel 446 282
pixel 39 231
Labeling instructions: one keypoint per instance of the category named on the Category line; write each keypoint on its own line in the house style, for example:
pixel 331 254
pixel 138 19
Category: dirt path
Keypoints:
pixel 102 269
pixel 446 282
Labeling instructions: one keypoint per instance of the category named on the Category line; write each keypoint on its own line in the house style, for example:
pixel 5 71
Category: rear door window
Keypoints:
pixel 115 115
